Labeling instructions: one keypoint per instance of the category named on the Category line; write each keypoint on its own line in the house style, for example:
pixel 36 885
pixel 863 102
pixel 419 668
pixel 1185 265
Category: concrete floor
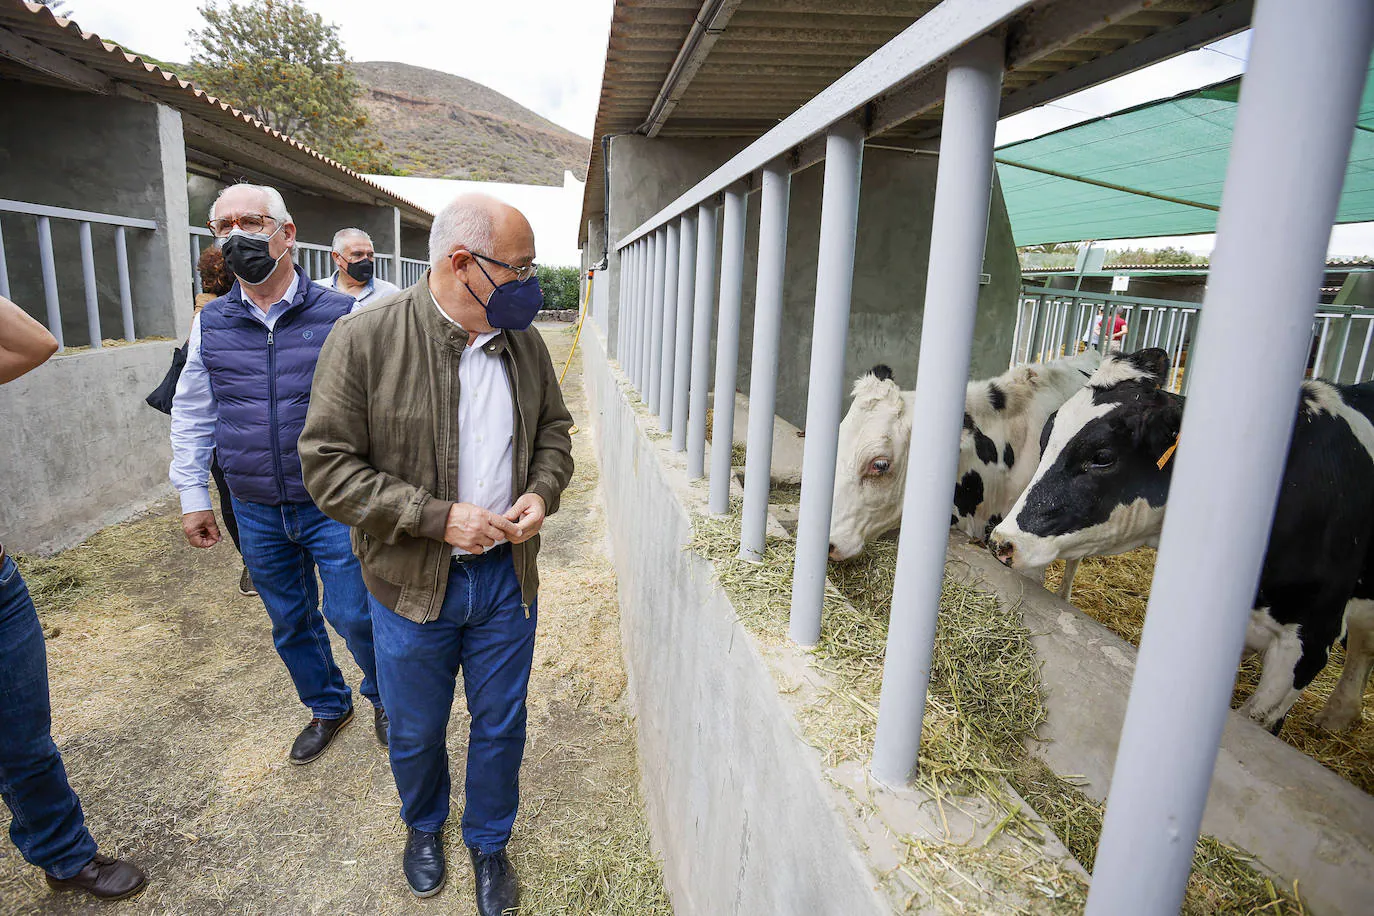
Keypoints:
pixel 174 715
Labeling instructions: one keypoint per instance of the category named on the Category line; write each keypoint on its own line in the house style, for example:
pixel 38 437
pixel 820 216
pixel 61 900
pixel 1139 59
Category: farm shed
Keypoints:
pixel 714 112
pixel 108 171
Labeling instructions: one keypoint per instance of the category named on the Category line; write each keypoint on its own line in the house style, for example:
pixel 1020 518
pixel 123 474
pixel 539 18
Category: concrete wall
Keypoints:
pixel 81 449
pixel 892 258
pixel 108 155
pixel 735 797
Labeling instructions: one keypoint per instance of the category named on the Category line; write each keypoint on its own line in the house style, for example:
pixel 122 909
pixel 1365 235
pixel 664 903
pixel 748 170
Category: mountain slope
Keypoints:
pixel 438 125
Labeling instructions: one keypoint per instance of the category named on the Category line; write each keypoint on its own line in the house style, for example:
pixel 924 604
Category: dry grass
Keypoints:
pixel 984 705
pixel 1115 591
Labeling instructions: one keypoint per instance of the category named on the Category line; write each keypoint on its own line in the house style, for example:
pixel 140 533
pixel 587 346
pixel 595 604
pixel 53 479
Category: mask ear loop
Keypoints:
pixel 478 262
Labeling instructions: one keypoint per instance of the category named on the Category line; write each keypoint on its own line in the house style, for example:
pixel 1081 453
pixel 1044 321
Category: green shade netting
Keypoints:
pixel 1176 148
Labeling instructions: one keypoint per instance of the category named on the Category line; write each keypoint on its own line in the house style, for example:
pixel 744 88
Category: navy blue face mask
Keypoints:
pixel 511 305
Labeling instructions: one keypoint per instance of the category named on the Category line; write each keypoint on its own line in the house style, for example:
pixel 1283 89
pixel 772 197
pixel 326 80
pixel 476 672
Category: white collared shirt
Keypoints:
pixel 486 425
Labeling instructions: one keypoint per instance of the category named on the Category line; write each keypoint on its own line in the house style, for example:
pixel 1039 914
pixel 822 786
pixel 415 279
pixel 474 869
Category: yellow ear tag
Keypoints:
pixel 1168 453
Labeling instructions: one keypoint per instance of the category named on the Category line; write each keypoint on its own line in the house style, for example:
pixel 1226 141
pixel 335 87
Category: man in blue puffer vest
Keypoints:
pixel 243 395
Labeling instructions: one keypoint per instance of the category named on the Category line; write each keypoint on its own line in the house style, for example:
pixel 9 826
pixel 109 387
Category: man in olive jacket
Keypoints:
pixel 438 432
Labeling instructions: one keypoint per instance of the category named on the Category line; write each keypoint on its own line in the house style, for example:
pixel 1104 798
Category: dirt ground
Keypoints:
pixel 174 716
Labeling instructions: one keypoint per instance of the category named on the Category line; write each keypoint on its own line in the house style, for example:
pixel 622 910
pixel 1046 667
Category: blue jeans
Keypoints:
pixel 47 823
pixel 485 630
pixel 282 547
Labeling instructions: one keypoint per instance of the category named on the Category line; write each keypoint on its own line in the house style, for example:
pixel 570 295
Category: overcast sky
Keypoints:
pixel 548 55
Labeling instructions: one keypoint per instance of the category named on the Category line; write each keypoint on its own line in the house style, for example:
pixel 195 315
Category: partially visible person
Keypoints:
pixel 243 395
pixel 47 823
pixel 355 269
pixel 1094 335
pixel 216 281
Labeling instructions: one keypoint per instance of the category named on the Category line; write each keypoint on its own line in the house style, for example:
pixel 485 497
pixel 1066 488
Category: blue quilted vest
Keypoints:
pixel 261 382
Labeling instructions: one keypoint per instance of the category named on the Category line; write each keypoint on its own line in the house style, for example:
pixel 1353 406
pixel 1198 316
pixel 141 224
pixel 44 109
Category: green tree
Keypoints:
pixel 58 7
pixel 562 287
pixel 286 66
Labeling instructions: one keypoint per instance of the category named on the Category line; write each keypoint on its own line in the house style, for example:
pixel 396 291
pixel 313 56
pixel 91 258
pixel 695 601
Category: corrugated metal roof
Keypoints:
pixel 38 47
pixel 772 56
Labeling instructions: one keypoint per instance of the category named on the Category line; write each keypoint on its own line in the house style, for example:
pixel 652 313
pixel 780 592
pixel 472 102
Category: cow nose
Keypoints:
pixel 834 555
pixel 1002 550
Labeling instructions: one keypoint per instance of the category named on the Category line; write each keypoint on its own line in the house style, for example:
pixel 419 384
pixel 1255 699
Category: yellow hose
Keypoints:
pixel 586 308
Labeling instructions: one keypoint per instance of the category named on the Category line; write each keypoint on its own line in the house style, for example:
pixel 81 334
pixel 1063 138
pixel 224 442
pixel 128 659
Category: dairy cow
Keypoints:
pixel 1101 488
pixel 998 450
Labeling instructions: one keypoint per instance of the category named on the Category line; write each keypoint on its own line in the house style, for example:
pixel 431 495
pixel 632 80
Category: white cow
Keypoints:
pixel 998 450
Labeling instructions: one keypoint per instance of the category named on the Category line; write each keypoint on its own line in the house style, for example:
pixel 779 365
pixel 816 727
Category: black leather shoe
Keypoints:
pixel 315 738
pixel 383 726
pixel 423 862
pixel 105 879
pixel 497 892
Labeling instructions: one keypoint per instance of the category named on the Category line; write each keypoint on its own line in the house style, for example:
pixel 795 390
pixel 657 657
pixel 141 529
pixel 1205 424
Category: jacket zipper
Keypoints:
pixel 272 415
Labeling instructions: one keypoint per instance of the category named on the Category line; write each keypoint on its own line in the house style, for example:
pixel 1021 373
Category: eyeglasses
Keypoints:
pixel 248 222
pixel 521 273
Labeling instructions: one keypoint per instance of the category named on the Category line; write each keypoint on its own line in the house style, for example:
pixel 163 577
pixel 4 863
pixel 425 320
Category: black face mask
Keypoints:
pixel 246 254
pixel 361 270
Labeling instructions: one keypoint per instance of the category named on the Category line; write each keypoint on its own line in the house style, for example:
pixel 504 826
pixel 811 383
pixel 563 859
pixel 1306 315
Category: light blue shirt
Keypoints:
pixel 195 412
pixel 376 288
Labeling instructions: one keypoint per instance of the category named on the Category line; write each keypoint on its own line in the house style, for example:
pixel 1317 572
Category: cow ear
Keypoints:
pixel 1026 374
pixel 1155 428
pixel 1153 362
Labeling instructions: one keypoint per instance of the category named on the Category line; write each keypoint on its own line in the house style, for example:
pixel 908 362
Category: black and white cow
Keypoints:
pixel 1101 488
pixel 998 450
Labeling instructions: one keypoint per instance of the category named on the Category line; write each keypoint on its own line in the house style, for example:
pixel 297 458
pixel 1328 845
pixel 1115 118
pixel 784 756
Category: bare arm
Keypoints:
pixel 24 343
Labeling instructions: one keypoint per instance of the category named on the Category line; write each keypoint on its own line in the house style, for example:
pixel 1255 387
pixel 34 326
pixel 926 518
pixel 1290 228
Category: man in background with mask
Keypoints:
pixel 355 269
pixel 437 430
pixel 243 395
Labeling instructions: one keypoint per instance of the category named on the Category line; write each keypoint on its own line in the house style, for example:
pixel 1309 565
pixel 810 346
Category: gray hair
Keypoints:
pixel 466 222
pixel 343 235
pixel 276 207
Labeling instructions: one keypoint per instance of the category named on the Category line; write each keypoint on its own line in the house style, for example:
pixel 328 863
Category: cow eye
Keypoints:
pixel 878 467
pixel 1103 458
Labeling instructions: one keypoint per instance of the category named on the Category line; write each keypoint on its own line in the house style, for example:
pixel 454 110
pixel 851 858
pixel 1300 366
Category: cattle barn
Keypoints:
pixel 783 196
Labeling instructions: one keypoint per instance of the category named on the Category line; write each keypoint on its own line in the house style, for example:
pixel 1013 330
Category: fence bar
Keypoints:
pixel 701 343
pixel 653 288
pixel 958 232
pixel 4 268
pixel 665 289
pixel 844 146
pixel 677 335
pixel 126 299
pixel 1345 344
pixel 1364 351
pixel 627 319
pixel 776 183
pixel 1292 137
pixel 661 350
pixel 92 293
pixel 727 348
pixel 49 269
pixel 1322 335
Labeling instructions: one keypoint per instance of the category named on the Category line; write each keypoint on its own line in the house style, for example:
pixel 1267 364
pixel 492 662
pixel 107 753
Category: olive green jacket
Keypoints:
pixel 380 445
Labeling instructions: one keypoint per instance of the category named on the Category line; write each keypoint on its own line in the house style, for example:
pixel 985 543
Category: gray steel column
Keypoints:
pixel 678 375
pixel 126 299
pixel 92 294
pixel 727 348
pixel 49 270
pixel 844 147
pixel 636 297
pixel 763 366
pixel 651 353
pixel 652 275
pixel 701 343
pixel 4 268
pixel 629 272
pixel 665 299
pixel 958 233
pixel 1289 150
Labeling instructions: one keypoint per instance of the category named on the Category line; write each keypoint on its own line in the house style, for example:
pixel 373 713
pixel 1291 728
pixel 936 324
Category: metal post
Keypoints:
pixel 844 146
pixel 195 264
pixel 763 366
pixel 958 233
pixel 1345 345
pixel 636 298
pixel 701 342
pixel 629 270
pixel 126 299
pixel 642 302
pixel 727 348
pixel 49 270
pixel 1364 351
pixel 92 294
pixel 677 381
pixel 665 299
pixel 1289 151
pixel 653 278
pixel 4 268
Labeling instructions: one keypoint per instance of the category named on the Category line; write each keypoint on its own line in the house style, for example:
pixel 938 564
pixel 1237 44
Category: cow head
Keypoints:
pixel 870 475
pixel 994 429
pixel 1099 488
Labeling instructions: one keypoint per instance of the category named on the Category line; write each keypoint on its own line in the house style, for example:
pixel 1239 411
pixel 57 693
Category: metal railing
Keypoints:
pixel 1054 323
pixel 1291 142
pixel 315 260
pixel 84 219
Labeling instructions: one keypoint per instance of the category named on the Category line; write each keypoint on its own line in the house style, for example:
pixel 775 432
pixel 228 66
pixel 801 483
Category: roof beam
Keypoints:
pixel 16 47
pixel 706 29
